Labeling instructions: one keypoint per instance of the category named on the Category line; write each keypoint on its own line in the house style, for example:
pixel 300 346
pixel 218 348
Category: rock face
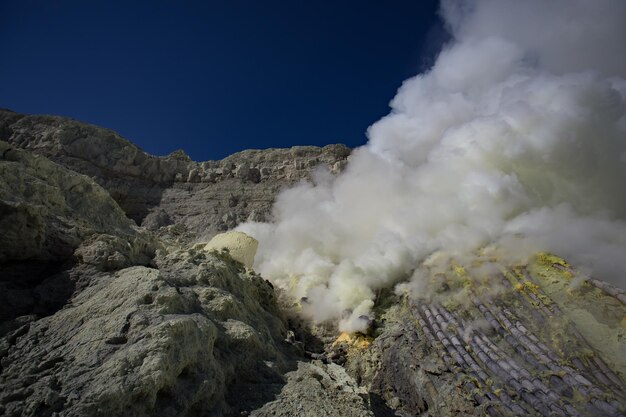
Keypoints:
pixel 47 213
pixel 206 197
pixel 102 317
pixel 172 341
pixel 316 389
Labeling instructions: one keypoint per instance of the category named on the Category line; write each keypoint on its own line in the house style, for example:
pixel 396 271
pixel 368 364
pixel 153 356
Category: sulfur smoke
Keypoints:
pixel 515 140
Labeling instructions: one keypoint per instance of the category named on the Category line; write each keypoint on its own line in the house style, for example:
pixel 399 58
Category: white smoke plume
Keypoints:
pixel 515 139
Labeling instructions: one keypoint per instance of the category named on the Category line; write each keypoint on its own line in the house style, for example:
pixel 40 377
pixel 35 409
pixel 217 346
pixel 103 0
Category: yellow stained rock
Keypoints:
pixel 240 246
pixel 550 259
pixel 528 286
pixel 460 271
pixel 353 340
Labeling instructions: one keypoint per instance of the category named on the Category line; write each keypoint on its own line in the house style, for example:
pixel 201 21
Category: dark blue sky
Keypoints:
pixel 214 77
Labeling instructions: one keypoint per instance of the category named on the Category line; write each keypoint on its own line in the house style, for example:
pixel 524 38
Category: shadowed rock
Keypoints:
pixel 141 341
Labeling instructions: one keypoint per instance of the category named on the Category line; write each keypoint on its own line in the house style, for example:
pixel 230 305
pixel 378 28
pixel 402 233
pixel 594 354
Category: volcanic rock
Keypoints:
pixel 171 341
pixel 102 317
pixel 47 210
pixel 158 191
pixel 316 389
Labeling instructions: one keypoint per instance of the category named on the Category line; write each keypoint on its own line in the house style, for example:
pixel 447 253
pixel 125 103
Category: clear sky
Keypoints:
pixel 215 77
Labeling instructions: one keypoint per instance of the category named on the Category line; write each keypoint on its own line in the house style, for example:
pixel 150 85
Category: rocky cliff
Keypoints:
pixel 99 316
pixel 109 306
pixel 205 197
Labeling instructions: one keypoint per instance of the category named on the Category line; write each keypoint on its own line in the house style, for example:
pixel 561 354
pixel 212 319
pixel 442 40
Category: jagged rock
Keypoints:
pixel 316 389
pixel 190 193
pixel 194 176
pixel 179 155
pixel 242 171
pixel 156 219
pixel 170 342
pixel 47 210
pixel 110 253
pixel 100 317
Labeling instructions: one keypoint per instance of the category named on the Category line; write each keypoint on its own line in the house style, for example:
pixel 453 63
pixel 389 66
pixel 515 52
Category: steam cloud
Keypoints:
pixel 514 140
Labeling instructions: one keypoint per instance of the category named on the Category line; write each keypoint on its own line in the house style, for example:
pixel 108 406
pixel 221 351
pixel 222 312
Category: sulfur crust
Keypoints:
pixel 600 318
pixel 240 246
pixel 354 341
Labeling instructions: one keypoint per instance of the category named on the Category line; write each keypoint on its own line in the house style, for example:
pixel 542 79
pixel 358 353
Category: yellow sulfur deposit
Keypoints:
pixel 353 340
pixel 240 246
pixel 548 259
pixel 460 271
pixel 598 317
pixel 528 286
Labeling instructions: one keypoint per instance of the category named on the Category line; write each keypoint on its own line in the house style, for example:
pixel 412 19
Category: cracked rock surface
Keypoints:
pixel 316 389
pixel 172 341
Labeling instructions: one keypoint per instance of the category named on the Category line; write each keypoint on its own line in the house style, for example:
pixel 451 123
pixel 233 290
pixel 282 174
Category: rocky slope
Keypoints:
pixel 537 346
pixel 177 340
pixel 156 191
pixel 99 316
pixel 46 213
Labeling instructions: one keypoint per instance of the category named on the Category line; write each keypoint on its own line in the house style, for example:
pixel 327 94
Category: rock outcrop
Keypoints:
pixel 197 335
pixel 101 317
pixel 48 216
pixel 156 191
pixel 47 210
pixel 316 389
